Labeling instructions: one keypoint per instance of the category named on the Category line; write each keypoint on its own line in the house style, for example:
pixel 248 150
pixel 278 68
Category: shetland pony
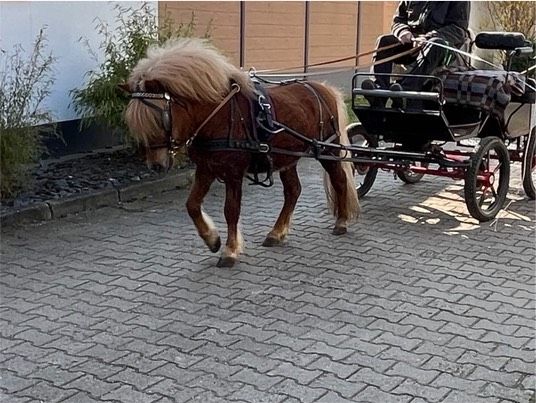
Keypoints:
pixel 187 93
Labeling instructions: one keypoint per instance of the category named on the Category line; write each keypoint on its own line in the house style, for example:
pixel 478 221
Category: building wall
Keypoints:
pixel 274 32
pixel 332 32
pixel 221 19
pixel 66 23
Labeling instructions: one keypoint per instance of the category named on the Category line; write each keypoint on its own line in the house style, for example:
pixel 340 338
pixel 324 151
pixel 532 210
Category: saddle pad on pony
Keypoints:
pixel 489 90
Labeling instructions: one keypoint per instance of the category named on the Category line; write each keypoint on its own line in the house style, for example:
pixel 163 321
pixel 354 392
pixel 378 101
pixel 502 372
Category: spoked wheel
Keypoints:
pixel 410 177
pixel 365 175
pixel 487 179
pixel 529 165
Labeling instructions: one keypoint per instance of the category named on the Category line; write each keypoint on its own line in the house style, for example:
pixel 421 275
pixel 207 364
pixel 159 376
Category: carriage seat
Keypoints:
pixel 501 40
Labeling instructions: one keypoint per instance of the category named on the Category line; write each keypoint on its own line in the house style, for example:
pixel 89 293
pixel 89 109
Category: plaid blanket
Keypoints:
pixel 489 90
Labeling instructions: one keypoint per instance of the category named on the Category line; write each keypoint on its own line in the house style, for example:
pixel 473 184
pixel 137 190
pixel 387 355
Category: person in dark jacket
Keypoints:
pixel 442 22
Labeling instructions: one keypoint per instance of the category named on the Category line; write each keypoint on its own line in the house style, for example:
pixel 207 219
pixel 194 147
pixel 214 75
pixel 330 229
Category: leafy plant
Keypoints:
pixel 137 29
pixel 25 82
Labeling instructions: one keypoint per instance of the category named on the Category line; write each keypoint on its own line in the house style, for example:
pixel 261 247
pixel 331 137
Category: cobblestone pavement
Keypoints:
pixel 418 303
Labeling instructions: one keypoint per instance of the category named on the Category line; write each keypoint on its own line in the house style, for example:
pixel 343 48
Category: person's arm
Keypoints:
pixel 456 22
pixel 400 27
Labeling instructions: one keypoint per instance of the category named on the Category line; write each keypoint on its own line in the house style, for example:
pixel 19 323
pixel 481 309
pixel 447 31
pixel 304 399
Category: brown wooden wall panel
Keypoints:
pixel 223 17
pixel 376 20
pixel 389 10
pixel 332 31
pixel 274 31
pixel 274 34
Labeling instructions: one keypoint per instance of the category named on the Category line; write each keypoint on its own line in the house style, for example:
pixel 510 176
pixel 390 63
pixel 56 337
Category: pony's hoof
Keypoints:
pixel 226 261
pixel 271 241
pixel 339 230
pixel 216 246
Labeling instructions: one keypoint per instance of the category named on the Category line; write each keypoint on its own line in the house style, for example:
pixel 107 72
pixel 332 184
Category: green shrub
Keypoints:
pixel 137 29
pixel 25 82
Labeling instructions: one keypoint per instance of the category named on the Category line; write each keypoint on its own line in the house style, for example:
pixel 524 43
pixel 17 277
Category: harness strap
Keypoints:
pixel 235 90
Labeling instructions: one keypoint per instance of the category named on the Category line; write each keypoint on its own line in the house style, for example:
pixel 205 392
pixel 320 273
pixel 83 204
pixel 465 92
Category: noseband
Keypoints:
pixel 171 144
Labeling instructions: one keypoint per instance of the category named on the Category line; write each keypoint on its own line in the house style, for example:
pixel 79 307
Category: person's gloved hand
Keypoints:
pixel 419 41
pixel 406 37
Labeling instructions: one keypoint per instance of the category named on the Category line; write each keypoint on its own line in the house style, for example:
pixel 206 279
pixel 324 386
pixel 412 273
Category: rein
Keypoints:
pixel 340 69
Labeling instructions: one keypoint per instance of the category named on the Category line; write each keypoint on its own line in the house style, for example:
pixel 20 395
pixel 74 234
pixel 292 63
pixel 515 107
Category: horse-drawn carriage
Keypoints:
pixel 419 135
pixel 189 94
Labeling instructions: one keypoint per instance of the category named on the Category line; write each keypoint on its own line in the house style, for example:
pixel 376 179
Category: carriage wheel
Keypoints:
pixel 410 177
pixel 487 179
pixel 365 175
pixel 529 165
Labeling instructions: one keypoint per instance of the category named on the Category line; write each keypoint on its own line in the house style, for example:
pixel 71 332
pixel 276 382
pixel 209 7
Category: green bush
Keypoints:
pixel 25 82
pixel 137 29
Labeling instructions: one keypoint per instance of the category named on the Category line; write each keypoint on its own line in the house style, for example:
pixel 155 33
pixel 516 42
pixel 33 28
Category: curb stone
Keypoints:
pixel 53 209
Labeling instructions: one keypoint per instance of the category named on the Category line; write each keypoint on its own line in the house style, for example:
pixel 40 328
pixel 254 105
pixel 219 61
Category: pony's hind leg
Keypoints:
pixel 205 227
pixel 233 200
pixel 292 190
pixel 341 194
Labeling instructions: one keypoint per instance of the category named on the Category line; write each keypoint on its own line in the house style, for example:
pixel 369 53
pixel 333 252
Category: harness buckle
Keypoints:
pixel 264 148
pixel 263 104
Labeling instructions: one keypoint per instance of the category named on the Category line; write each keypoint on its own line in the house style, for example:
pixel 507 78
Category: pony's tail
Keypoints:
pixel 352 202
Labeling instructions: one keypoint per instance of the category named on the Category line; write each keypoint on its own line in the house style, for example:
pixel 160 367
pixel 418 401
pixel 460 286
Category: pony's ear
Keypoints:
pixel 124 87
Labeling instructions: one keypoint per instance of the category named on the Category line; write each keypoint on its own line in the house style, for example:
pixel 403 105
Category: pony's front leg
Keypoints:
pixel 292 190
pixel 233 200
pixel 204 224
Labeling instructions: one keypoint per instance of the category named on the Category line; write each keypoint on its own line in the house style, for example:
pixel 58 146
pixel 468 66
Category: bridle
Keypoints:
pixel 171 144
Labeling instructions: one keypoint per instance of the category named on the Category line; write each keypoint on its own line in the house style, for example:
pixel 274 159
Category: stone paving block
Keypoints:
pixel 12 383
pixel 92 385
pixel 248 393
pixel 429 393
pixel 300 392
pixel 424 376
pixel 456 396
pixel 55 376
pixel 128 394
pixel 256 379
pixel 384 382
pixel 338 369
pixel 332 397
pixel 495 390
pixel 342 387
pixel 45 392
pixel 259 364
pixel 374 394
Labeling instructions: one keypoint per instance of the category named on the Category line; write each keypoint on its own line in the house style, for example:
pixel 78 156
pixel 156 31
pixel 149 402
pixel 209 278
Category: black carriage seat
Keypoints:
pixel 501 40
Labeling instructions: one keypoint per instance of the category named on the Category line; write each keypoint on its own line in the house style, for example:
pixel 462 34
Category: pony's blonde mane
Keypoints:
pixel 190 68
